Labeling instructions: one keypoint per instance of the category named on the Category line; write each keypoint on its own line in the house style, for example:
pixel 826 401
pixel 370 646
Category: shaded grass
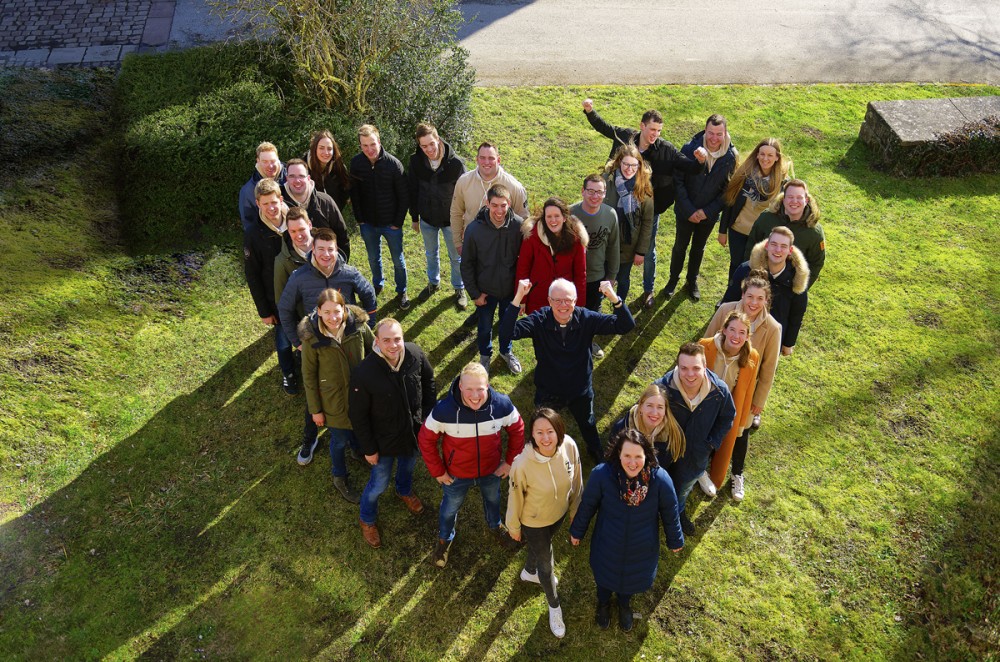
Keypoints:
pixel 150 504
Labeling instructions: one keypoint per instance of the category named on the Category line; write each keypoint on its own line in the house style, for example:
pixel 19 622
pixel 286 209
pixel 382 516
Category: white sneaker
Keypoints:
pixel 556 623
pixel 706 484
pixel 596 350
pixel 737 486
pixel 512 363
pixel 533 577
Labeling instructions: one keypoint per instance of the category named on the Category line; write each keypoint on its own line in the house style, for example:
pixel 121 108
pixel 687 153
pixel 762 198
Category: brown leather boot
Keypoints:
pixel 413 503
pixel 370 533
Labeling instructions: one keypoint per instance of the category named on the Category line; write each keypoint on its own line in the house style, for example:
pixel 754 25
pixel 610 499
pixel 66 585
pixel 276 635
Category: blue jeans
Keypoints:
pixel 683 490
pixel 339 439
pixel 378 480
pixel 372 236
pixel 454 496
pixel 283 346
pixel 431 251
pixel 649 266
pixel 484 336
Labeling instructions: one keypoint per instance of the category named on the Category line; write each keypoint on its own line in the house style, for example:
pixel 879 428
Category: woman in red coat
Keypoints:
pixel 555 246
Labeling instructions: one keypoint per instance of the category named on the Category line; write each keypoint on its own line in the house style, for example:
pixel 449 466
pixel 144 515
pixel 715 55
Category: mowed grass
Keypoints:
pixel 150 504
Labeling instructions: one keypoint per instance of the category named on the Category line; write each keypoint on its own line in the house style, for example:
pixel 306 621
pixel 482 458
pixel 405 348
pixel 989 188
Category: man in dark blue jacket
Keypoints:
pixel 563 338
pixel 322 270
pixel 379 197
pixel 699 200
pixel 703 407
pixel 268 166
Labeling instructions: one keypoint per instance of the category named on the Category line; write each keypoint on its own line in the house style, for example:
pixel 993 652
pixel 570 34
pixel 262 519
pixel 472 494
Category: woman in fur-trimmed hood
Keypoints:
pixel 554 246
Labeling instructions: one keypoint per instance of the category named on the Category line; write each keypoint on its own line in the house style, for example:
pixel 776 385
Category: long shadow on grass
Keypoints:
pixel 150 526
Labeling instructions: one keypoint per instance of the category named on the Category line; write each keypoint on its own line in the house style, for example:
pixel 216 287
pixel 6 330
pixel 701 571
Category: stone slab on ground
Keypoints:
pixel 895 129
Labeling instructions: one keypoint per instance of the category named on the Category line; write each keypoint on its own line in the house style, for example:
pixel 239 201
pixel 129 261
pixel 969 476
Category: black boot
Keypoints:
pixel 603 617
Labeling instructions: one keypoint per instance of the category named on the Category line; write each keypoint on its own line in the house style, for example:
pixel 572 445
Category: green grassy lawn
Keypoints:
pixel 151 506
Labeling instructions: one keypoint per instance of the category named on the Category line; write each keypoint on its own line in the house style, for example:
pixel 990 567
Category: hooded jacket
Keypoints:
pixel 565 364
pixel 705 188
pixel 809 236
pixel 285 264
pixel 431 191
pixel 543 491
pixel 704 428
pixel 387 406
pixel 327 364
pixel 746 383
pixel 541 265
pixel 489 259
pixel 766 339
pixel 307 282
pixel 663 159
pixel 789 289
pixel 625 547
pixel 471 444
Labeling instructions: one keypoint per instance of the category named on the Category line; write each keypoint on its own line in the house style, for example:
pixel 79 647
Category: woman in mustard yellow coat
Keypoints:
pixel 730 355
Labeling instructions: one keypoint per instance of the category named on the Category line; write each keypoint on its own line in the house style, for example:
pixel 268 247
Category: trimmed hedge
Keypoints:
pixel 192 120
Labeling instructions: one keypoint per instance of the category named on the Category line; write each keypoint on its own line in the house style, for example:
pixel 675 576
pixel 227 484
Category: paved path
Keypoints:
pixel 565 42
pixel 583 42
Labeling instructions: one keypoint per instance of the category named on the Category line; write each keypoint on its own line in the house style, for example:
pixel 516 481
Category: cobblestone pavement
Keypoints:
pixel 81 32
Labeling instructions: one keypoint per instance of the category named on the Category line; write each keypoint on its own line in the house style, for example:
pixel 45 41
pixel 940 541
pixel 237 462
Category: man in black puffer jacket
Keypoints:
pixel 392 391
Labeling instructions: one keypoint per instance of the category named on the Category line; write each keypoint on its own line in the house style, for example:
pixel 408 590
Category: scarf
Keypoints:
pixel 280 229
pixel 304 202
pixel 337 335
pixel 319 268
pixel 399 363
pixel 627 206
pixel 712 156
pixel 692 403
pixel 633 491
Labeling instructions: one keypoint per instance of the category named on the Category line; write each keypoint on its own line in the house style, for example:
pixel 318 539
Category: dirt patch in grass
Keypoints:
pixel 812 132
pixel 158 283
pixel 927 319
pixel 909 425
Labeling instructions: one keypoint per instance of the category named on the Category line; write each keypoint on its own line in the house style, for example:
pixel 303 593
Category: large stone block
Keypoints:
pixel 901 134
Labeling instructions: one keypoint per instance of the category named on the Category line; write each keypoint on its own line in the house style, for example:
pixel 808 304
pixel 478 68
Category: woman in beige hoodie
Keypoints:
pixel 546 482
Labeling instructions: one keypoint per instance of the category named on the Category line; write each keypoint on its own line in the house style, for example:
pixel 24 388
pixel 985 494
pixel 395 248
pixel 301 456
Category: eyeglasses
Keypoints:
pixel 630 166
pixel 562 302
pixel 596 192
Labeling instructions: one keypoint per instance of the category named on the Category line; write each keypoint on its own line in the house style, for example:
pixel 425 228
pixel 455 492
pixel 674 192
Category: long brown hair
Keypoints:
pixel 565 240
pixel 317 170
pixel 643 186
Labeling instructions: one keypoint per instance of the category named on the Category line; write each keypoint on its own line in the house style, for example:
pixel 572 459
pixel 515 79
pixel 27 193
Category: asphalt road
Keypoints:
pixel 566 42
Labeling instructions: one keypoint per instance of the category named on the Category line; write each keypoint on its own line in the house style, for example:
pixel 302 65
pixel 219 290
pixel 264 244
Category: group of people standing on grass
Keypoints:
pixel 546 276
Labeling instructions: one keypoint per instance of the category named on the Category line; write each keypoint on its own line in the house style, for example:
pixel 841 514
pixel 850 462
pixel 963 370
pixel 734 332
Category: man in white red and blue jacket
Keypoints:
pixel 462 445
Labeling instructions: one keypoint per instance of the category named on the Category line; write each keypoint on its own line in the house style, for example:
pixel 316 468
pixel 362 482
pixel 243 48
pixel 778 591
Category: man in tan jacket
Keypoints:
pixel 471 189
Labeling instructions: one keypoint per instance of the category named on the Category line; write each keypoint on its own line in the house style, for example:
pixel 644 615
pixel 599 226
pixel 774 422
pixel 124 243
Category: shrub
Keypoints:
pixel 189 140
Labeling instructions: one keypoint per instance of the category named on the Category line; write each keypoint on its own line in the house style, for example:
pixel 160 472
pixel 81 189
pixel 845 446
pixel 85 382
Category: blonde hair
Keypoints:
pixel 266 147
pixel 671 434
pixel 266 186
pixel 750 167
pixel 367 130
pixel 474 369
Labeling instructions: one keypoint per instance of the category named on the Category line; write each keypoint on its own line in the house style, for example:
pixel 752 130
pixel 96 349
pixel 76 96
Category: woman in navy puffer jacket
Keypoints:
pixel 629 493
